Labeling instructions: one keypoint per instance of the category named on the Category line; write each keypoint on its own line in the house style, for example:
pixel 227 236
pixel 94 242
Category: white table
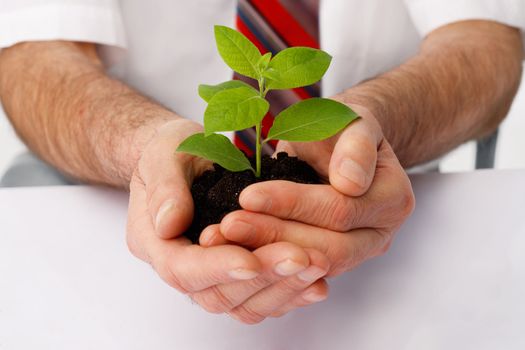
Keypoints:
pixel 454 279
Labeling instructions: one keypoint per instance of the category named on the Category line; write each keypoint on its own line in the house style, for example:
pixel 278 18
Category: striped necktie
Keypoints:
pixel 274 25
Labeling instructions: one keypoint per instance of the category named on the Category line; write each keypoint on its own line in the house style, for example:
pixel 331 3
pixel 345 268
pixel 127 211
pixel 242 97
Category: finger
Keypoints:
pixel 314 294
pixel 353 161
pixel 279 260
pixel 318 205
pixel 167 176
pixel 184 266
pixel 345 250
pixel 211 236
pixel 265 302
pixel 386 204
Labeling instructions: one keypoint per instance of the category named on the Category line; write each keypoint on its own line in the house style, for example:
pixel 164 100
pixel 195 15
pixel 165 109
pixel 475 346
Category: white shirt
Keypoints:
pixel 170 50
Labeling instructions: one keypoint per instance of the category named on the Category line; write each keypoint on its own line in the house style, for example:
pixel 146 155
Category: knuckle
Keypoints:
pixel 291 206
pixel 385 248
pixel 214 300
pixel 342 213
pixel 154 194
pixel 384 240
pixel 408 203
pixel 340 255
pixel 273 230
pixel 279 313
pixel 363 142
pixel 171 276
pixel 356 253
pixel 176 282
pixel 133 246
pixel 319 291
pixel 246 314
pixel 219 302
pixel 292 284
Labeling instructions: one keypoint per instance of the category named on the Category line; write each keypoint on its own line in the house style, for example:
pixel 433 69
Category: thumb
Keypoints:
pixel 353 161
pixel 167 178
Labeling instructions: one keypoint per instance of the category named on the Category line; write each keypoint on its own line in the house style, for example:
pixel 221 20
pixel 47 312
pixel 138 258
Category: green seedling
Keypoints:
pixel 235 105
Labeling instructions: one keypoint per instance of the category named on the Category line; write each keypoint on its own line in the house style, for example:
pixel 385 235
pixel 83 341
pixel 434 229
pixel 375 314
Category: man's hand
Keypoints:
pixel 351 220
pixel 248 285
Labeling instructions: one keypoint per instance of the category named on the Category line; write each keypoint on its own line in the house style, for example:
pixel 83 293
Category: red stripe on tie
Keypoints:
pixel 243 28
pixel 302 93
pixel 285 24
pixel 266 125
pixel 242 146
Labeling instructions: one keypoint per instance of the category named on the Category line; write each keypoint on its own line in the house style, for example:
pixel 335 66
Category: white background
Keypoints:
pixel 510 152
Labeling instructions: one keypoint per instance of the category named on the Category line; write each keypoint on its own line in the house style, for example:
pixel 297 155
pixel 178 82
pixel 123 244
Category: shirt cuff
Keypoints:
pixel 428 15
pixel 72 22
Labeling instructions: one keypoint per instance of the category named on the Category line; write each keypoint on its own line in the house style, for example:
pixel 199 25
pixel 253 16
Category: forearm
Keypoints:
pixel 68 111
pixel 459 87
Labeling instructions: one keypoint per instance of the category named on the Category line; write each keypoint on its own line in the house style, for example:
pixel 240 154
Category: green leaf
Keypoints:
pixel 239 53
pixel 234 109
pixel 264 61
pixel 298 66
pixel 271 75
pixel 216 148
pixel 311 120
pixel 206 92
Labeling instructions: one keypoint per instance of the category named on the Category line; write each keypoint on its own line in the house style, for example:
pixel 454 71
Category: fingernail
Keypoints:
pixel 352 171
pixel 311 274
pixel 257 201
pixel 243 274
pixel 288 267
pixel 239 230
pixel 166 207
pixel 314 297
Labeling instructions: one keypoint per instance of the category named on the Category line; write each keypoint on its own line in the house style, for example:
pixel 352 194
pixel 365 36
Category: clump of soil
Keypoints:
pixel 216 192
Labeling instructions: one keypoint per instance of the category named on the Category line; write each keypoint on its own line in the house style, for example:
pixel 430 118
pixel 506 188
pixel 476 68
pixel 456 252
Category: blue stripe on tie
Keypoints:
pixel 243 136
pixel 256 32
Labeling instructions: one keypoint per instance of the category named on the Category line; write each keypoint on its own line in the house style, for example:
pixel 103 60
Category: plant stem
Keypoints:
pixel 258 129
pixel 258 150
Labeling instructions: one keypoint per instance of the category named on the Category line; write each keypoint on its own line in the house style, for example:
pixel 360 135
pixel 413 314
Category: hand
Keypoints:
pixel 352 219
pixel 248 285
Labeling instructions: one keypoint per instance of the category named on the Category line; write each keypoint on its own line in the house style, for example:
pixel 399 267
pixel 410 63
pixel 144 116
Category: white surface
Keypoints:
pixel 452 280
pixel 10 145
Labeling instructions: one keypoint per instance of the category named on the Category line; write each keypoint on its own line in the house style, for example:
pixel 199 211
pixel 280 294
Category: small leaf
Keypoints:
pixel 271 74
pixel 206 92
pixel 239 53
pixel 311 120
pixel 234 109
pixel 218 149
pixel 264 61
pixel 299 66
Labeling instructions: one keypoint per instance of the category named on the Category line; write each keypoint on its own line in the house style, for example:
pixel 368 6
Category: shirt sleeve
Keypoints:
pixel 96 21
pixel 428 15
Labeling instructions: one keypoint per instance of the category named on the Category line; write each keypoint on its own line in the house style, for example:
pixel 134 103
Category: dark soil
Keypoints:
pixel 216 192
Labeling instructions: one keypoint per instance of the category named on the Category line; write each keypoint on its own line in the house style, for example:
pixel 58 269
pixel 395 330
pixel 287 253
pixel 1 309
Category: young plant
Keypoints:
pixel 235 105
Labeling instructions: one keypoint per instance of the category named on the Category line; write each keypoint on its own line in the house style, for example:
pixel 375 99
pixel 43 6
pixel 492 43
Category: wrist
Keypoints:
pixel 365 108
pixel 127 150
pixel 370 104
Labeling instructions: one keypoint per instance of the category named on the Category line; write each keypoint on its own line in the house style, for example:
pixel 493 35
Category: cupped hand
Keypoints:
pixel 250 286
pixel 351 219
